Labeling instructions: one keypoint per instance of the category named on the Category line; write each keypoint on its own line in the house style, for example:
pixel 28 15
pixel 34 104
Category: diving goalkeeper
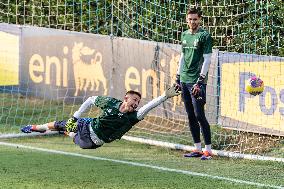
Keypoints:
pixel 117 118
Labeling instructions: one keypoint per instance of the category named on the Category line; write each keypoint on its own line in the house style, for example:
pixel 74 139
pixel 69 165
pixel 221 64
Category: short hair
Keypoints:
pixel 194 10
pixel 133 92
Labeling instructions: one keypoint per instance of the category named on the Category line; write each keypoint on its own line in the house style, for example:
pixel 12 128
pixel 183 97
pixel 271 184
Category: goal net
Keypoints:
pixel 45 43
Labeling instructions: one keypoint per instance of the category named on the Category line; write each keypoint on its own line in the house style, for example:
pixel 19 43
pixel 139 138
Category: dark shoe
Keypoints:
pixel 194 153
pixel 29 129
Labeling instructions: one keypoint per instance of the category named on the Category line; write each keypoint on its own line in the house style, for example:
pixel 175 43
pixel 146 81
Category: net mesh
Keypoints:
pixel 253 27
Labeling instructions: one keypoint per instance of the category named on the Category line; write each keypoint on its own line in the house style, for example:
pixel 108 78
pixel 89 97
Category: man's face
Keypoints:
pixel 132 101
pixel 193 21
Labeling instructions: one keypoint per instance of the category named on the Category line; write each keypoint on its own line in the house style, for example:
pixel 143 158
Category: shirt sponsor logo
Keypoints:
pixel 193 46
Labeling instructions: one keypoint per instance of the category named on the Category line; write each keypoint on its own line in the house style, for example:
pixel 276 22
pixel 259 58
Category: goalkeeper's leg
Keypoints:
pixel 52 126
pixel 38 128
pixel 82 137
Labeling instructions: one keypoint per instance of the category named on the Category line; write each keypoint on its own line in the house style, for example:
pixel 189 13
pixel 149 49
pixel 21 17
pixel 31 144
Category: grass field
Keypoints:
pixel 18 110
pixel 55 162
pixel 125 164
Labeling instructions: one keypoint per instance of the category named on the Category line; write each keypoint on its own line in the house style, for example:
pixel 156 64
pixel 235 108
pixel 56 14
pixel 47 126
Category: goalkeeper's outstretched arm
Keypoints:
pixel 170 92
pixel 85 106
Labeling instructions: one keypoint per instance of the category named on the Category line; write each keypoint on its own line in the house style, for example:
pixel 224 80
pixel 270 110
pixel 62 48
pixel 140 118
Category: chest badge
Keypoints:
pixel 195 43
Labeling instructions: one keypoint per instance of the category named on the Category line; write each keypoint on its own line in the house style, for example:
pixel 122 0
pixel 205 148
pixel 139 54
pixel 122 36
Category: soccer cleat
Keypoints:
pixel 194 153
pixel 206 156
pixel 29 129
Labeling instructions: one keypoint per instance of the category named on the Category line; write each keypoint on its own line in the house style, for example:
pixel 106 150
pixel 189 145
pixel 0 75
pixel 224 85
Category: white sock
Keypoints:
pixel 208 148
pixel 198 146
pixel 42 127
pixel 71 134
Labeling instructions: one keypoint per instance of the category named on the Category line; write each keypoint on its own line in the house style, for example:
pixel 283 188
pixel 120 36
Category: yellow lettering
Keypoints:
pixel 145 75
pixel 132 71
pixel 65 67
pixel 162 77
pixel 49 61
pixel 36 67
pixel 65 73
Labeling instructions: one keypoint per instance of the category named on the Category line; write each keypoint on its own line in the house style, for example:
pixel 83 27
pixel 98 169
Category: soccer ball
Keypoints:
pixel 254 86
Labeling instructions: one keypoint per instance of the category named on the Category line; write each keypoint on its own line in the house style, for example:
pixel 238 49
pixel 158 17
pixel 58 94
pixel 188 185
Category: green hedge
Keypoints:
pixel 254 27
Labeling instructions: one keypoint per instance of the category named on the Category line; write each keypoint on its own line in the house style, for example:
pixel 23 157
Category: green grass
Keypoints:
pixel 25 168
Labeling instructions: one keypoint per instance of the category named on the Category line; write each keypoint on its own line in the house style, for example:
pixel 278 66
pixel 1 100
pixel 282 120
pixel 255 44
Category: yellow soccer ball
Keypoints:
pixel 255 86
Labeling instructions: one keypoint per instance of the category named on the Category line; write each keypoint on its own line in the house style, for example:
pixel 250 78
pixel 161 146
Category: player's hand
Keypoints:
pixel 71 125
pixel 172 91
pixel 178 82
pixel 196 89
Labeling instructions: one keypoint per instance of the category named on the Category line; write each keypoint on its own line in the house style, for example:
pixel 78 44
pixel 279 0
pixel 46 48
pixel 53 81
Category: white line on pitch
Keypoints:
pixel 142 165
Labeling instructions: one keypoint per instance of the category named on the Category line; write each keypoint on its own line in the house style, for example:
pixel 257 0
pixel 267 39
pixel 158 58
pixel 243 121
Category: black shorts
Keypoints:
pixel 82 137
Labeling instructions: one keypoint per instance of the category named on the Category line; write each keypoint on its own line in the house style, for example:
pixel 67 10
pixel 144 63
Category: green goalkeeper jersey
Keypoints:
pixel 193 48
pixel 112 124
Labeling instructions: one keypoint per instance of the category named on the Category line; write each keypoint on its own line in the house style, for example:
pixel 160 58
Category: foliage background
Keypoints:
pixel 244 26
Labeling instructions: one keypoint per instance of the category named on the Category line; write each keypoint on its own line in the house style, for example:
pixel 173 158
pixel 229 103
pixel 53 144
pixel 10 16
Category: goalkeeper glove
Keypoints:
pixel 71 125
pixel 197 87
pixel 178 79
pixel 173 91
pixel 178 82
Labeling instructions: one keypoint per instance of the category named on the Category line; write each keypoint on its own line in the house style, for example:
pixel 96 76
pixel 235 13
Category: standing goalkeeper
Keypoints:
pixel 117 118
pixel 192 77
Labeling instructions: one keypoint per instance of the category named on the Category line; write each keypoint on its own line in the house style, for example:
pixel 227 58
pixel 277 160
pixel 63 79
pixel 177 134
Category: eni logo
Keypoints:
pixel 87 75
